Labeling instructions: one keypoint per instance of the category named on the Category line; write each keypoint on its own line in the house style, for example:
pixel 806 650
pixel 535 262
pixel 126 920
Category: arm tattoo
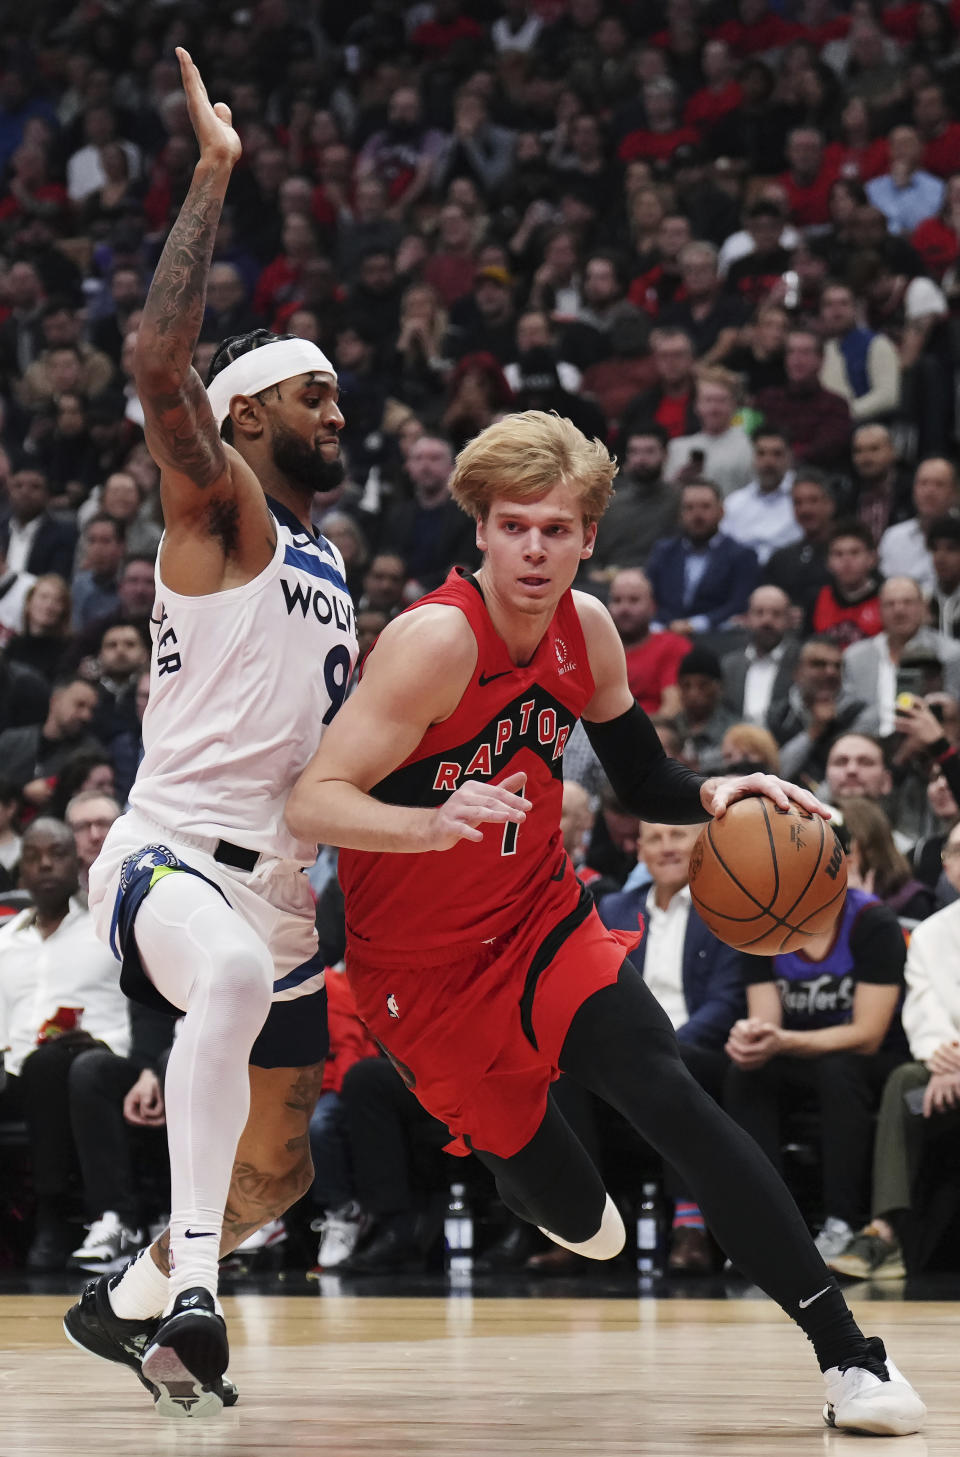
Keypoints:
pixel 173 312
pixel 181 431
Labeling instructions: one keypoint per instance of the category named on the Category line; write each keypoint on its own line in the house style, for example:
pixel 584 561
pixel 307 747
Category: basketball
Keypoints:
pixel 766 880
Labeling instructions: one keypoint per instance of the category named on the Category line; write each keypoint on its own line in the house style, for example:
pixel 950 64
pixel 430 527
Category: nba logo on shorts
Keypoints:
pixel 392 1007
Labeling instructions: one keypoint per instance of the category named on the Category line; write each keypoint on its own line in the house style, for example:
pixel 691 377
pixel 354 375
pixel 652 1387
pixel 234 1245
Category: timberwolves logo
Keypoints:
pixel 392 1007
pixel 146 858
pixel 565 663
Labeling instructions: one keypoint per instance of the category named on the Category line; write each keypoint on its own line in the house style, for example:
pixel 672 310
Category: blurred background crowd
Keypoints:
pixel 721 235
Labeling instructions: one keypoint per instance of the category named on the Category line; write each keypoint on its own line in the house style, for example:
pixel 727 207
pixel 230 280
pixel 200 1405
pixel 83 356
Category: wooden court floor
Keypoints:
pixel 357 1377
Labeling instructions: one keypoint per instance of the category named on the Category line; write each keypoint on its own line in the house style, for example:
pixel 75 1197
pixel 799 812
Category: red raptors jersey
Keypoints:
pixel 509 719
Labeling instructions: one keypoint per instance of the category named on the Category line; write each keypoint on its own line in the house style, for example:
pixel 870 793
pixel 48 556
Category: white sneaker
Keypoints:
pixel 272 1233
pixel 341 1230
pixel 873 1398
pixel 108 1245
pixel 834 1237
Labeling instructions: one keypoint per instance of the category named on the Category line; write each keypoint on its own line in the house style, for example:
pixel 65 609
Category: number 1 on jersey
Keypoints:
pixel 509 846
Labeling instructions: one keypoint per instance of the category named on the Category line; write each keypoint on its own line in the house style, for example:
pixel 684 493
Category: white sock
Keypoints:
pixel 608 1241
pixel 205 958
pixel 141 1292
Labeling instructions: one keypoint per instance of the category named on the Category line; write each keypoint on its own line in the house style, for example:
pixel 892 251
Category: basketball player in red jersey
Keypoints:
pixel 484 970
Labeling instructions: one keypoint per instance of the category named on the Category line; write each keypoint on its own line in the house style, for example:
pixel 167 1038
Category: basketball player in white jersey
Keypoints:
pixel 200 888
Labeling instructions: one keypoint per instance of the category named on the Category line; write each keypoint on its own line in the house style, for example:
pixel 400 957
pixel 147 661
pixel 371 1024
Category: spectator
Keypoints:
pixel 85 172
pixel 871 668
pixel 815 421
pixel 906 195
pixel 32 539
pixel 10 841
pixel 670 402
pixel 823 1021
pixel 477 148
pixel 761 673
pixel 652 657
pixel 759 355
pixel 931 1021
pixel 60 325
pixel 89 816
pixel 848 606
pixel 55 978
pixel 938 133
pixel 664 131
pixel 452 265
pixel 534 332
pixel 876 864
pixel 46 627
pixel 881 489
pixel 700 578
pixel 943 544
pixel 815 711
pixel 903 547
pixel 643 508
pixel 859 364
pixel 94 590
pixel 760 514
pixel 696 980
pixel 808 178
pixel 477 394
pixel 604 296
pixel 938 239
pixel 33 755
pixel 711 317
pixel 14 587
pixel 703 718
pixel 662 281
pixel 384 584
pixel 539 388
pixel 720 451
pixel 484 321
pixel 752 277
pixel 431 531
pixel 404 153
pixel 747 748
pixel 800 570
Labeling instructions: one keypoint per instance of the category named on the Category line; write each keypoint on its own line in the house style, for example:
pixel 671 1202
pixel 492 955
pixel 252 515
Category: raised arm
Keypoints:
pixel 414 677
pixel 200 476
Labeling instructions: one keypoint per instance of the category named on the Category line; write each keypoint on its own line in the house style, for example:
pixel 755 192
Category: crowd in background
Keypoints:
pixel 721 235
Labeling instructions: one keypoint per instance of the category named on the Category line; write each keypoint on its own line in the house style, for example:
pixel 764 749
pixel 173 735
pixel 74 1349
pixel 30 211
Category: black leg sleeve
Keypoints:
pixel 551 1182
pixel 622 1046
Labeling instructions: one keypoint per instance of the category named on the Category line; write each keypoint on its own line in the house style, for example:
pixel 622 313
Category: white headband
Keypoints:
pixel 258 369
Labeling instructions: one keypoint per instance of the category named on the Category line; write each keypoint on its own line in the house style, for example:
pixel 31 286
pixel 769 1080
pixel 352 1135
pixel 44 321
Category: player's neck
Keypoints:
pixel 297 502
pixel 522 632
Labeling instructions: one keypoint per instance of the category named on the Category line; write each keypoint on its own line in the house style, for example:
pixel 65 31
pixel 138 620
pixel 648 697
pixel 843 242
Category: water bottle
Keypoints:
pixel 458 1233
pixel 648 1231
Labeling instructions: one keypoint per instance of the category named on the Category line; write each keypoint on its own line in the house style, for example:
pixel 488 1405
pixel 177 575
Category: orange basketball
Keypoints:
pixel 765 879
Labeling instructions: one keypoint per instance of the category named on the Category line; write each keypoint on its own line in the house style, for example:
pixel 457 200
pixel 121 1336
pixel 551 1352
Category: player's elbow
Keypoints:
pixel 300 818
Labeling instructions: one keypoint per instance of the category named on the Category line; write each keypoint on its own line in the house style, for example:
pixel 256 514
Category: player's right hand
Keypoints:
pixel 211 124
pixel 475 804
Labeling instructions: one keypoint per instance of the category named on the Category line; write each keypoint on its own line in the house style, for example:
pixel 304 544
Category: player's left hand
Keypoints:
pixel 717 794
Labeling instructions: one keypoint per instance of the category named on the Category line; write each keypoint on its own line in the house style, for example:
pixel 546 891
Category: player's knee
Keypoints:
pixel 243 982
pixel 605 1244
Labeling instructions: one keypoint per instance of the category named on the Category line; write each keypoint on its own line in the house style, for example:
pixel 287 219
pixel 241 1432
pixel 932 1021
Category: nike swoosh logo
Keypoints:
pixel 804 1303
pixel 484 679
pixel 199 1234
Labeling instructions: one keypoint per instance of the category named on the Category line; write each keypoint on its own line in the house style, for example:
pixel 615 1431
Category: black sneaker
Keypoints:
pixel 93 1326
pixel 187 1356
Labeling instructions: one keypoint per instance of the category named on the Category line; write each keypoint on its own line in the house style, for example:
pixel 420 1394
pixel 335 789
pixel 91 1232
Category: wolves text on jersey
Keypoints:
pixel 326 607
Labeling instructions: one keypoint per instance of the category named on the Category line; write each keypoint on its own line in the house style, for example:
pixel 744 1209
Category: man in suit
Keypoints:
pixel 30 538
pixel 700 578
pixel 871 668
pixel 815 711
pixel 430 532
pixel 697 981
pixel 756 676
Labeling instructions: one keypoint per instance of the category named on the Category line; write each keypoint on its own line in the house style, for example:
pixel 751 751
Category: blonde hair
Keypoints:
pixel 523 456
pixel 62 624
pixel 753 743
pixel 715 374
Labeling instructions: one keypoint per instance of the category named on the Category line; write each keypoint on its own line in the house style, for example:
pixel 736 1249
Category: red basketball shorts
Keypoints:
pixel 476 1032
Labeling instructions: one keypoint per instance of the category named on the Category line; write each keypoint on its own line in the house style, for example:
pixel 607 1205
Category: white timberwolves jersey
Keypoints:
pixel 242 683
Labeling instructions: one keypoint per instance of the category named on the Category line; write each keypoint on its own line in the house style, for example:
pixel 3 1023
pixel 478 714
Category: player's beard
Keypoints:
pixel 303 465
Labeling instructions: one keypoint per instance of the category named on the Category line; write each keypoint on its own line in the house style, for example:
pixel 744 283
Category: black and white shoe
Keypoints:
pixel 187 1356
pixel 872 1396
pixel 92 1325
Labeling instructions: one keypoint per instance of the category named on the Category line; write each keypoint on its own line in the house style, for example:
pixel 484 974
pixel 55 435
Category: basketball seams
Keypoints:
pixel 765 925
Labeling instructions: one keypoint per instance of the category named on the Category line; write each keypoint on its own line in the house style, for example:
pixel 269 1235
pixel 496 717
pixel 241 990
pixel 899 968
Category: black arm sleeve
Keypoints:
pixel 644 780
